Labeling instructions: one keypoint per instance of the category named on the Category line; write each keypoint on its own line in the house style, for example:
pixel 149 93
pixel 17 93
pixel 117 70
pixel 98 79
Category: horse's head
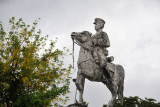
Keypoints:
pixel 81 36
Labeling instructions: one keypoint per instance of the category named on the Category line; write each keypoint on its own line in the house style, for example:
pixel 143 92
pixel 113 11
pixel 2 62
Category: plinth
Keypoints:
pixel 77 105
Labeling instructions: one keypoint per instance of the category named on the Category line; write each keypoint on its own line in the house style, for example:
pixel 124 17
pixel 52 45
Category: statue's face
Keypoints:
pixel 98 25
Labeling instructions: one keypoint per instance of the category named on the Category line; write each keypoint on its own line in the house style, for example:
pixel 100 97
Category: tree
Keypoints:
pixel 136 102
pixel 28 78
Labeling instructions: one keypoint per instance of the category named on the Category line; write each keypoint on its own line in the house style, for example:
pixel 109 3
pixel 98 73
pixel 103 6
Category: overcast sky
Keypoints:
pixel 133 27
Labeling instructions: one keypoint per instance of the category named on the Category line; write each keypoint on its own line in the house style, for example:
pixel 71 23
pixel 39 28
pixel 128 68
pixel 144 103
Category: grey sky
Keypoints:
pixel 133 29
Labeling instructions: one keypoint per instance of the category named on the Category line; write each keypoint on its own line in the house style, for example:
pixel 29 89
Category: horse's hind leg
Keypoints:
pixel 113 90
pixel 80 86
pixel 120 94
pixel 121 86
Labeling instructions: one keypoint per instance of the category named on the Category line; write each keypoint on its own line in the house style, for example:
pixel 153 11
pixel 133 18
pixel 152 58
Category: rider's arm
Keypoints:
pixel 104 40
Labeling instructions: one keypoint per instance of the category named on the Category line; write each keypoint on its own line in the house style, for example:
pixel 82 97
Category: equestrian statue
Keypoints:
pixel 95 65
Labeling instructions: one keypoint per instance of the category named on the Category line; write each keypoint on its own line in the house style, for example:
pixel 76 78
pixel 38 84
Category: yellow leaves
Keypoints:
pixel 14 53
pixel 68 71
pixel 9 43
pixel 21 64
pixel 36 74
pixel 5 68
pixel 1 45
pixel 25 80
pixel 6 85
pixel 26 61
pixel 28 67
pixel 65 74
pixel 52 64
pixel 48 77
pixel 24 31
pixel 32 48
pixel 39 81
pixel 49 57
pixel 30 33
pixel 23 50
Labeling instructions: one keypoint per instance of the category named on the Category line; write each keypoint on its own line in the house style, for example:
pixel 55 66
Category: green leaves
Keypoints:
pixel 25 73
pixel 137 102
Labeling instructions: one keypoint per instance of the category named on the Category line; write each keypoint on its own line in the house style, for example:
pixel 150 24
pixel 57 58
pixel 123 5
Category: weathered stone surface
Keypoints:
pixel 94 64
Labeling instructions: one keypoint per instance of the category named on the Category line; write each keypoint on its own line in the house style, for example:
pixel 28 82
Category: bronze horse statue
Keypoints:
pixel 87 68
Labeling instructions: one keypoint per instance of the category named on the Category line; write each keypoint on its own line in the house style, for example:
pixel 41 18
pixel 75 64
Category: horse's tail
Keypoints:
pixel 121 84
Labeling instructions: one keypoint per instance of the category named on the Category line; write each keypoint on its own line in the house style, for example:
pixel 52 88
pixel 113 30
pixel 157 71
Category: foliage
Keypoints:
pixel 84 103
pixel 28 78
pixel 136 102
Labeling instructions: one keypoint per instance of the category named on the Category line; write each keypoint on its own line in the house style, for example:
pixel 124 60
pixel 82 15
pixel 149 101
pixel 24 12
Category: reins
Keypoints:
pixel 73 66
pixel 73 53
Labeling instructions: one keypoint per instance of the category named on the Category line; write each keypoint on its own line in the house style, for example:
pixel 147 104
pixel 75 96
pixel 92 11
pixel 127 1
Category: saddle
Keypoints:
pixel 110 67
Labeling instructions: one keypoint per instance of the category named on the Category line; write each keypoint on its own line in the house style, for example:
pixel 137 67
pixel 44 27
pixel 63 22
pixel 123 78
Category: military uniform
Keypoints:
pixel 101 42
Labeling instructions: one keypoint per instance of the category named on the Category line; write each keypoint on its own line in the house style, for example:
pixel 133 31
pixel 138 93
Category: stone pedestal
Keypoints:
pixel 77 105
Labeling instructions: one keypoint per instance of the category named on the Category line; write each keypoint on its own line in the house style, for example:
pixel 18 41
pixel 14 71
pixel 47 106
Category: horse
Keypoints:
pixel 87 68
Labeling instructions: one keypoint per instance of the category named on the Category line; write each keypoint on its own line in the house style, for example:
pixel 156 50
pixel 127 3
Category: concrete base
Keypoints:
pixel 77 105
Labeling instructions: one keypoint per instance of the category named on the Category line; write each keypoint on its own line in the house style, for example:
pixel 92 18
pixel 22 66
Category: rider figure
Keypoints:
pixel 101 42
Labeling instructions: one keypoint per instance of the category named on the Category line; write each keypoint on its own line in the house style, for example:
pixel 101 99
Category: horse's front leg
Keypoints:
pixel 80 86
pixel 81 91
